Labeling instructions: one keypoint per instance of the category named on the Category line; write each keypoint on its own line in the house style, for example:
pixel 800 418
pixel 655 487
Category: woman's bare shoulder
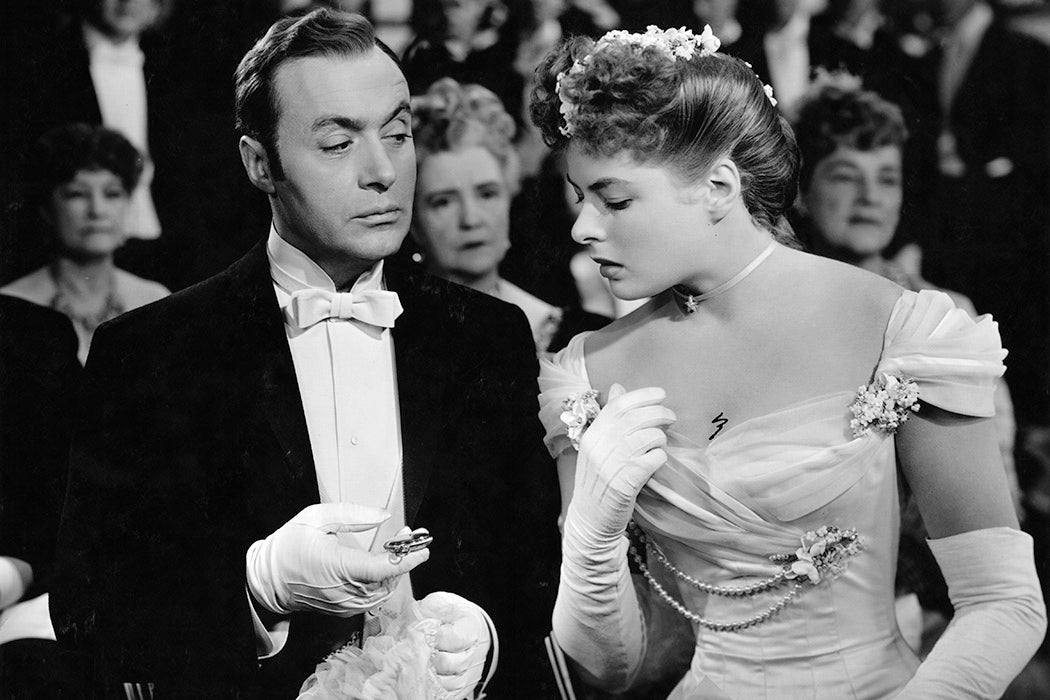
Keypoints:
pixel 840 288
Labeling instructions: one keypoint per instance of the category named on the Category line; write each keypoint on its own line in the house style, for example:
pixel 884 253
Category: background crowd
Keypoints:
pixel 121 181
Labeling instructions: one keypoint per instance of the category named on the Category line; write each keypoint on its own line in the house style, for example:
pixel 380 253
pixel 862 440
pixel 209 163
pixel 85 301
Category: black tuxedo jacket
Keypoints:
pixel 39 372
pixel 193 444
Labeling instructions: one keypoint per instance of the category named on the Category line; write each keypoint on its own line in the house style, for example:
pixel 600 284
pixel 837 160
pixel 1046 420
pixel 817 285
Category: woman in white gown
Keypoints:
pixel 731 428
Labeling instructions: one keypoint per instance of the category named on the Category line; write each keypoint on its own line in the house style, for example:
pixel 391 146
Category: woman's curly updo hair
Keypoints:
pixel 60 153
pixel 684 113
pixel 452 117
pixel 838 112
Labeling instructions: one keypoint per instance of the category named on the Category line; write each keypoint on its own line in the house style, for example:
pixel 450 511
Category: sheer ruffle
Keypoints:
pixel 954 358
pixel 393 665
pixel 561 374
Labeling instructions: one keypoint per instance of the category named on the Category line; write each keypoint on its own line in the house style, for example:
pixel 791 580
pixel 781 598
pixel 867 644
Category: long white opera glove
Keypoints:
pixel 461 643
pixel 597 620
pixel 999 618
pixel 306 565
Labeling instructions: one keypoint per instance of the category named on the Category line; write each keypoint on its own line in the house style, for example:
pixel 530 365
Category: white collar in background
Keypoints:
pixel 102 48
pixel 972 25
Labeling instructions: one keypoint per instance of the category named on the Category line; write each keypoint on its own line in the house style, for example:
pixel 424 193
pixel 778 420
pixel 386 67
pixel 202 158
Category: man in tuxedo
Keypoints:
pixel 991 169
pixel 309 371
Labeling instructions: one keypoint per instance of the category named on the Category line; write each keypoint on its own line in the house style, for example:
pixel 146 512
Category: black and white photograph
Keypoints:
pixel 525 349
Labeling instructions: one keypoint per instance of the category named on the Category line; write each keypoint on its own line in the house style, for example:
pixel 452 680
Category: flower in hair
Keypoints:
pixel 884 404
pixel 672 43
pixel 769 94
pixel 578 412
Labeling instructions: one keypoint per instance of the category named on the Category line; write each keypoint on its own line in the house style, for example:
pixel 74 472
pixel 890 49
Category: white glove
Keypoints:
pixel 999 618
pixel 597 620
pixel 461 643
pixel 306 565
pixel 619 452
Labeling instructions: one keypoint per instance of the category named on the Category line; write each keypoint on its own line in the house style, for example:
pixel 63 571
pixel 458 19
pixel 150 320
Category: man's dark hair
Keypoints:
pixel 322 32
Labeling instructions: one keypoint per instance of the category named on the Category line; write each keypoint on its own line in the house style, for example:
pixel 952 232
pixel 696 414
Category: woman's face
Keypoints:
pixel 854 199
pixel 462 213
pixel 462 17
pixel 640 223
pixel 87 214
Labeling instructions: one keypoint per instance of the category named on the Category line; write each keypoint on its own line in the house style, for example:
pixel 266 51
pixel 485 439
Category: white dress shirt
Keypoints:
pixel 348 386
pixel 787 53
pixel 120 86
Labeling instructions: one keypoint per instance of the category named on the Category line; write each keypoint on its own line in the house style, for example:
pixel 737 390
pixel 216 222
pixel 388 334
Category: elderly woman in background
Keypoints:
pixel 852 144
pixel 467 175
pixel 81 179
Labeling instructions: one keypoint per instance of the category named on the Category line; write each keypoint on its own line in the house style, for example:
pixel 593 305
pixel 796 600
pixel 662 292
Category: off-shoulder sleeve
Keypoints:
pixel 561 374
pixel 954 358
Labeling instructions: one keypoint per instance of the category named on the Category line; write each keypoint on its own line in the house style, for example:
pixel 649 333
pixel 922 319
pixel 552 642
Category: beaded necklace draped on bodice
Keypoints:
pixel 718 512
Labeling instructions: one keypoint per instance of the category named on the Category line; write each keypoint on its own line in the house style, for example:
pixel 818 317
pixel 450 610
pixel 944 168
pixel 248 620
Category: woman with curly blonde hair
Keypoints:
pixel 468 171
pixel 722 422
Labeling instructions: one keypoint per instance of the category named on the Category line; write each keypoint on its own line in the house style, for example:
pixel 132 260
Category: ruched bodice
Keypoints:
pixel 718 512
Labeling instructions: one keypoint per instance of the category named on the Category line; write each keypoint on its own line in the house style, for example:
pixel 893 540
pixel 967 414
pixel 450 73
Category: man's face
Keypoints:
pixel 125 19
pixel 345 144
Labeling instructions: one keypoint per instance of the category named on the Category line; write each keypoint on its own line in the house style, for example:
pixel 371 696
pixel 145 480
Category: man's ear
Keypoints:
pixel 257 164
pixel 724 188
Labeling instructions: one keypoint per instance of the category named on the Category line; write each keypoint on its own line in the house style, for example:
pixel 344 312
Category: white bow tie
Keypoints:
pixel 375 307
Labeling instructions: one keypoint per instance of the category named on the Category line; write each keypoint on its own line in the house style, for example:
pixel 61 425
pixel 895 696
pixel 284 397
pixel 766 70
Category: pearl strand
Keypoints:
pixel 703 621
pixel 774 581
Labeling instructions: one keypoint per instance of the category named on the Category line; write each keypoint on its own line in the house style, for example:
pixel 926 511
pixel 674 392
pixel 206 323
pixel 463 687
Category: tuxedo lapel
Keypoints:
pixel 425 375
pixel 268 366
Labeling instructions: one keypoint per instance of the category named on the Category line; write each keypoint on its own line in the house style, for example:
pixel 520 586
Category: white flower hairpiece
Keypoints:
pixel 769 94
pixel 671 43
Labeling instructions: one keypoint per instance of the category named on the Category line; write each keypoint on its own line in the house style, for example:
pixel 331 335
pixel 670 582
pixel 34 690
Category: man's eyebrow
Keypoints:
pixel 351 124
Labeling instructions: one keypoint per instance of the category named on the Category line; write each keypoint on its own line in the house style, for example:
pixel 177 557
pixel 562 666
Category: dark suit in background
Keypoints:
pixel 989 239
pixel 209 214
pixel 196 445
pixel 39 375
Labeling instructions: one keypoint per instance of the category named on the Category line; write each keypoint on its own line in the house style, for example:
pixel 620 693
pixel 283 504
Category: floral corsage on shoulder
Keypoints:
pixel 884 404
pixel 578 412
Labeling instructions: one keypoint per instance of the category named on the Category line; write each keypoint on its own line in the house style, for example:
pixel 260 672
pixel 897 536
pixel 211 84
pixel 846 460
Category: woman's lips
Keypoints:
pixel 607 268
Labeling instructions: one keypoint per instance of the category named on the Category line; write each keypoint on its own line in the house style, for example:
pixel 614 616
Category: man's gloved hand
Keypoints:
pixel 461 643
pixel 306 565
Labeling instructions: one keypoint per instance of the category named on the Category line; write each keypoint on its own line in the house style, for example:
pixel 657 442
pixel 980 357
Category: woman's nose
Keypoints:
pixel 587 229
pixel 470 213
pixel 96 204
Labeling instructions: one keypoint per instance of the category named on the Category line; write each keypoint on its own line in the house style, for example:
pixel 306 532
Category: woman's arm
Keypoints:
pixel 953 465
pixel 566 477
pixel 597 620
